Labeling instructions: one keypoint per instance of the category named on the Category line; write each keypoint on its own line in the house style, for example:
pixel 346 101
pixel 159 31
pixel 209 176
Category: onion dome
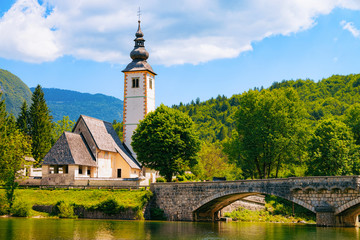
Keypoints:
pixel 139 51
pixel 139 55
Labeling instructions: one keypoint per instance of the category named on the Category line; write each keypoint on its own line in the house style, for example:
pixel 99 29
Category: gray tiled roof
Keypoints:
pixel 138 66
pixel 70 148
pixel 106 139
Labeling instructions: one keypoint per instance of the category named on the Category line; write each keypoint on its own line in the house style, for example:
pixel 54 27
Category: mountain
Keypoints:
pixel 14 91
pixel 72 103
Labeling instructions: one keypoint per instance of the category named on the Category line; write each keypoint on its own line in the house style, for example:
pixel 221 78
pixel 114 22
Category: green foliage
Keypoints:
pixel 276 210
pixel 213 162
pixel 109 206
pixel 166 140
pixel 15 92
pixel 118 127
pixel 4 205
pixel 41 125
pixel 64 209
pixel 65 124
pixel 21 209
pixel 332 150
pixel 270 131
pixel 23 120
pixel 88 199
pixel 160 179
pixel 72 103
pixel 14 146
pixel 187 177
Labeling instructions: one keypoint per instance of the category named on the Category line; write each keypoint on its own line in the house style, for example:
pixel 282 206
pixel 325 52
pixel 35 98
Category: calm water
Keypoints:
pixel 22 228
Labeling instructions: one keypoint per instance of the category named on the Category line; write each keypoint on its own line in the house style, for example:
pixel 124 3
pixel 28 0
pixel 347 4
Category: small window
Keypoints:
pixel 135 82
pixel 150 83
pixel 65 169
pixel 88 172
pixel 119 173
pixel 80 170
pixel 106 155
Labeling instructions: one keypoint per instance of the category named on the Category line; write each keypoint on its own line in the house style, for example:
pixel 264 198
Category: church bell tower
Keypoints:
pixel 139 88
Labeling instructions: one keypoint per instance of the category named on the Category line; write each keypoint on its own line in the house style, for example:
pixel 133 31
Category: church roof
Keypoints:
pixel 139 55
pixel 70 148
pixel 106 139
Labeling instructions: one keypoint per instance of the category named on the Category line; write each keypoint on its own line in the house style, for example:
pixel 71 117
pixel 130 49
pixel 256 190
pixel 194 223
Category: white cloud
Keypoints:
pixel 349 26
pixel 177 32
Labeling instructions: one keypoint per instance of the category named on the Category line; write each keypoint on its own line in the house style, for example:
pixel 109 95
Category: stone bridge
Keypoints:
pixel 334 200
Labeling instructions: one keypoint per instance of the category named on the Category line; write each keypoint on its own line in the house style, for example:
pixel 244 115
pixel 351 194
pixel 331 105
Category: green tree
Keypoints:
pixel 65 124
pixel 14 146
pixel 213 162
pixel 352 119
pixel 270 129
pixel 23 120
pixel 41 125
pixel 166 141
pixel 332 150
pixel 118 127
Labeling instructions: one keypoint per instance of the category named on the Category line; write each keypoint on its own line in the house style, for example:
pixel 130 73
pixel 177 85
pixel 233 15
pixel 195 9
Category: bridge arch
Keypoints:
pixel 208 208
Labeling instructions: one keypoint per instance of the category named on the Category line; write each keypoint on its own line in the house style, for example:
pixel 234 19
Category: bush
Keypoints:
pixel 109 206
pixel 21 209
pixel 64 210
pixel 4 206
pixel 160 179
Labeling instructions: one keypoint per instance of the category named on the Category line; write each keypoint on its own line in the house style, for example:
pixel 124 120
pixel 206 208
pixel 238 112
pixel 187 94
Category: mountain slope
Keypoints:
pixel 71 103
pixel 15 91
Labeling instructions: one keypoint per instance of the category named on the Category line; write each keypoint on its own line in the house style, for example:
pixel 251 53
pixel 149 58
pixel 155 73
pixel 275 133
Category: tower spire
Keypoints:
pixel 139 55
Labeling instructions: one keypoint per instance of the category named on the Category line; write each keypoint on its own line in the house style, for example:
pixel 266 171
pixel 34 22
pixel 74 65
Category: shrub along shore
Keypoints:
pixel 72 203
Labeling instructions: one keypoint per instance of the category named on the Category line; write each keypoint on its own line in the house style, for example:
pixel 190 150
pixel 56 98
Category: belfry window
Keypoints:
pixel 150 83
pixel 135 82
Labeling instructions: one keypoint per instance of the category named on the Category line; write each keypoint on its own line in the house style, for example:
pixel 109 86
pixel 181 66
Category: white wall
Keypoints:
pixel 104 167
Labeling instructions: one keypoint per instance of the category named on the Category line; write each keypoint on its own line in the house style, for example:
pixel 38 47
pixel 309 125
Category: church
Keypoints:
pixel 93 154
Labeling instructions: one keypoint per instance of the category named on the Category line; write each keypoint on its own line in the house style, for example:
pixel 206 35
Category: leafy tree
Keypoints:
pixel 352 119
pixel 61 126
pixel 332 150
pixel 214 163
pixel 118 127
pixel 23 120
pixel 41 125
pixel 166 141
pixel 14 146
pixel 270 130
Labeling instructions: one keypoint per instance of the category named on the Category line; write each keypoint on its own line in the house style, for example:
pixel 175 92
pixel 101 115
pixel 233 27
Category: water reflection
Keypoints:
pixel 22 228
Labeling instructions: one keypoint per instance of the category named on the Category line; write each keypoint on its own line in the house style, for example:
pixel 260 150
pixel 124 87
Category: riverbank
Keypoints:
pixel 72 203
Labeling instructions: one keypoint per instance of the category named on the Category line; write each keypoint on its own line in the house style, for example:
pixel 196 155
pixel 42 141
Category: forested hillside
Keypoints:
pixel 329 97
pixel 15 91
pixel 71 103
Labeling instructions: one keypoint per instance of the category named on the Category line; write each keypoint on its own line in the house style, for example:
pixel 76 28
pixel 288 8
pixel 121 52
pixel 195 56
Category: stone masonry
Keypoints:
pixel 335 200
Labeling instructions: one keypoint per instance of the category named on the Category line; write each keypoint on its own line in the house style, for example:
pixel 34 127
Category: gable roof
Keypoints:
pixel 70 148
pixel 106 139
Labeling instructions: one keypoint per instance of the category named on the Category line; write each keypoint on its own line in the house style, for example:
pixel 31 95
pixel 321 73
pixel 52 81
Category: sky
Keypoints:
pixel 199 49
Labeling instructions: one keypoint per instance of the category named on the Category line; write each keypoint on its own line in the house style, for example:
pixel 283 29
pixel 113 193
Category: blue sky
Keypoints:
pixel 198 48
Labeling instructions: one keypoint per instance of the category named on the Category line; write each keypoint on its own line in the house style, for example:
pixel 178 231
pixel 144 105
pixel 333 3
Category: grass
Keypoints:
pixel 87 198
pixel 276 210
pixel 244 215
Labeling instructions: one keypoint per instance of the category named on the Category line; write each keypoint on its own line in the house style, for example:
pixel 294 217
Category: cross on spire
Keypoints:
pixel 139 13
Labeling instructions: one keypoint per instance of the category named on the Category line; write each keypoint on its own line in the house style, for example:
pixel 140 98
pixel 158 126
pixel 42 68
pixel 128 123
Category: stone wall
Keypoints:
pixel 253 203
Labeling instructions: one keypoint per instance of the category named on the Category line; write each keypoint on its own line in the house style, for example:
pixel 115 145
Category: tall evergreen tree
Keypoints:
pixel 23 120
pixel 14 146
pixel 41 125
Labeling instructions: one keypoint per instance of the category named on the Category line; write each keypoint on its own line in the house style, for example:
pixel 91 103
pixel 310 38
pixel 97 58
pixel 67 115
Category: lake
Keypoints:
pixel 30 228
